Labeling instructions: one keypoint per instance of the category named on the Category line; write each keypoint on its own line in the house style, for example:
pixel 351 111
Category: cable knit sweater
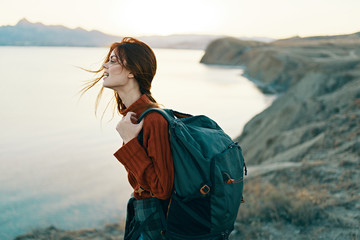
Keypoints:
pixel 150 167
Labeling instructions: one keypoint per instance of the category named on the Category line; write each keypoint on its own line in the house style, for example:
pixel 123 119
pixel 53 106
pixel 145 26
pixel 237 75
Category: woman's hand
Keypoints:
pixel 127 129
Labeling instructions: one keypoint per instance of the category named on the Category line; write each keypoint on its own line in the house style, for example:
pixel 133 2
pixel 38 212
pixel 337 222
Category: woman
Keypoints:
pixel 128 70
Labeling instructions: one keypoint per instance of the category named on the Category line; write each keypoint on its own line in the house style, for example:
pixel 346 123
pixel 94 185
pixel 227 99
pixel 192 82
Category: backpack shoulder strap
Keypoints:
pixel 169 115
pixel 166 113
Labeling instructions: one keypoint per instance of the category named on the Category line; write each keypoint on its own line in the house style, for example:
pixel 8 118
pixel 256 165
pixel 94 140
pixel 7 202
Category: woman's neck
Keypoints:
pixel 129 97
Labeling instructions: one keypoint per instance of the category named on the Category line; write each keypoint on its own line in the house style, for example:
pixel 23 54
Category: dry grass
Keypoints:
pixel 266 203
pixel 280 206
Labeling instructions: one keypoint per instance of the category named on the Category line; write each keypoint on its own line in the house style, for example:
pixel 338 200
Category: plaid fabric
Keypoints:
pixel 144 211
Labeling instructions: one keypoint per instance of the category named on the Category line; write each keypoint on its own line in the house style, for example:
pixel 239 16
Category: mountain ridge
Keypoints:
pixel 26 33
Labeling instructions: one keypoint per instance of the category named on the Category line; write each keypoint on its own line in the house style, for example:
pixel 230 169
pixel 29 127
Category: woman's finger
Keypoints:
pixel 131 116
pixel 134 119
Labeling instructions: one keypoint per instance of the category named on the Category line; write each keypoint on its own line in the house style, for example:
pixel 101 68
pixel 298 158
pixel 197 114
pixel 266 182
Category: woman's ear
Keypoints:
pixel 131 75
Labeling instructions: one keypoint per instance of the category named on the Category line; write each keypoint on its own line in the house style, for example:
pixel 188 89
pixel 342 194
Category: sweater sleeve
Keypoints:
pixel 151 165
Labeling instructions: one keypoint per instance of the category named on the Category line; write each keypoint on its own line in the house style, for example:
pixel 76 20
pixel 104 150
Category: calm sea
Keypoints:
pixel 56 163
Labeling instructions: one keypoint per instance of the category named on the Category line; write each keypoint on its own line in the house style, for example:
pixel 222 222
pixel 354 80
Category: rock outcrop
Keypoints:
pixel 304 148
pixel 278 65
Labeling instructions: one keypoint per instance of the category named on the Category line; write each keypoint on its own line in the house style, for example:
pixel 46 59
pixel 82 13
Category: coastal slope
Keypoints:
pixel 278 65
pixel 304 149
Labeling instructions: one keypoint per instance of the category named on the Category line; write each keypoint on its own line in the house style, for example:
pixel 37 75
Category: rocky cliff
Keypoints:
pixel 304 150
pixel 278 65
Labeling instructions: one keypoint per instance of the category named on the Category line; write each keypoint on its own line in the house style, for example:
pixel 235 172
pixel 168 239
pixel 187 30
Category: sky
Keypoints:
pixel 239 18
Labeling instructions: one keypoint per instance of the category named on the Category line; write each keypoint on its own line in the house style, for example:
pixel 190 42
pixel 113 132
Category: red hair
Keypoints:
pixel 139 59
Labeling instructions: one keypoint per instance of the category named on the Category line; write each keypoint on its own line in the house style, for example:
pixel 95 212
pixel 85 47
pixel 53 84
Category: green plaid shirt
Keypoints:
pixel 143 217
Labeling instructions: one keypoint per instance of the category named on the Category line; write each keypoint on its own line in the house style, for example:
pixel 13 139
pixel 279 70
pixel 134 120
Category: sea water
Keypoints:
pixel 56 162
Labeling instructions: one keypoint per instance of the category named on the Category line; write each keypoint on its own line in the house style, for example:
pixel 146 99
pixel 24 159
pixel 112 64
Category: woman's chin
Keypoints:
pixel 107 85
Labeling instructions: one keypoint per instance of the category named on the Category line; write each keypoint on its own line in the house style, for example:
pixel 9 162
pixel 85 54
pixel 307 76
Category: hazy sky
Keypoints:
pixel 266 18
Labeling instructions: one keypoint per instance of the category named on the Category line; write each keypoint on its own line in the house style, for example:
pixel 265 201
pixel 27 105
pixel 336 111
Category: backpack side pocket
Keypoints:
pixel 227 179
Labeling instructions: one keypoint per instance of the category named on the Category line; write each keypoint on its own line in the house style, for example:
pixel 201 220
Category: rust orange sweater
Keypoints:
pixel 150 165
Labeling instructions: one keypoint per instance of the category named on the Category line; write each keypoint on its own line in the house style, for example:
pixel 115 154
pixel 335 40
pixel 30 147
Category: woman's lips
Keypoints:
pixel 105 75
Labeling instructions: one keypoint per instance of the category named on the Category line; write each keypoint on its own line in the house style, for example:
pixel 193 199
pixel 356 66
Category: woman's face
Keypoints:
pixel 115 75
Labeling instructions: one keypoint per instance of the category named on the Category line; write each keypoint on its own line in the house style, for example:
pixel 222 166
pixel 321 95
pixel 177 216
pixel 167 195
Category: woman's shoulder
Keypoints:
pixel 155 124
pixel 154 118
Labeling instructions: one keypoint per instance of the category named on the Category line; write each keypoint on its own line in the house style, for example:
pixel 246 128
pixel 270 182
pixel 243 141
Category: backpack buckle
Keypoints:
pixel 205 189
pixel 139 190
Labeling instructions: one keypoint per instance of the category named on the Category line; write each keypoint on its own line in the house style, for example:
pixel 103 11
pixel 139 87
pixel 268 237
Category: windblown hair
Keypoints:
pixel 135 56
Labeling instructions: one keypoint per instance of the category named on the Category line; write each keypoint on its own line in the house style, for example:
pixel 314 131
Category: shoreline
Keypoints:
pixel 266 89
pixel 114 231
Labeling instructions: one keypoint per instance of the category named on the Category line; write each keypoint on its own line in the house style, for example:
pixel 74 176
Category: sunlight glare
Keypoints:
pixel 166 17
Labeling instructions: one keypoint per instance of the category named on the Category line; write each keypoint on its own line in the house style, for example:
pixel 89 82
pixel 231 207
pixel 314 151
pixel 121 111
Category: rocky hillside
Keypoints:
pixel 304 150
pixel 278 65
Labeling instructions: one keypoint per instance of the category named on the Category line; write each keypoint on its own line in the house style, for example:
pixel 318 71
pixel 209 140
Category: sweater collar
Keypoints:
pixel 139 106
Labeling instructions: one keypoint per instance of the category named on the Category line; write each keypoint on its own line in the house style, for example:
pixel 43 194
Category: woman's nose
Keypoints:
pixel 105 65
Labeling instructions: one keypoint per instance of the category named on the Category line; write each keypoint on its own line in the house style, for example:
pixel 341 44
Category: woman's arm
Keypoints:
pixel 127 129
pixel 151 164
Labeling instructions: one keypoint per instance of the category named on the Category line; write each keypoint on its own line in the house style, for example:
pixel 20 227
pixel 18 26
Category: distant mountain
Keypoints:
pixel 26 33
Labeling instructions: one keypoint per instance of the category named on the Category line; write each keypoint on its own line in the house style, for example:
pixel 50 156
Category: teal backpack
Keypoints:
pixel 209 177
